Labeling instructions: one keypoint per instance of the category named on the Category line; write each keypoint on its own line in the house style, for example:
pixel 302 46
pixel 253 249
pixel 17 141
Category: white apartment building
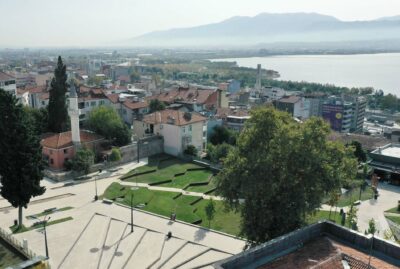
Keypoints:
pixel 179 129
pixel 7 83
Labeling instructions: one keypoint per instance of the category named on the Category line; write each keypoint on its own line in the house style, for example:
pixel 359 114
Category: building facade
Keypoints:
pixel 179 130
pixel 8 83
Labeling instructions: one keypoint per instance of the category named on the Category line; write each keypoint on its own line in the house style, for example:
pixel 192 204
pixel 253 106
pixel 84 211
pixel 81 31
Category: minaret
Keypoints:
pixel 258 81
pixel 74 112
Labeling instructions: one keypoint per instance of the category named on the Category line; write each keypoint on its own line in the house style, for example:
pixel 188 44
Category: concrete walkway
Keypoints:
pixel 389 196
pixel 90 240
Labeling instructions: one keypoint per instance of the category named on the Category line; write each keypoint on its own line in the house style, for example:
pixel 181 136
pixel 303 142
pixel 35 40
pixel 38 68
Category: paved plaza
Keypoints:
pixel 99 236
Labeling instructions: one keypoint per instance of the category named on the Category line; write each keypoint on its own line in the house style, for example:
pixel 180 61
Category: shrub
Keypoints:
pixel 83 160
pixel 115 155
pixel 191 150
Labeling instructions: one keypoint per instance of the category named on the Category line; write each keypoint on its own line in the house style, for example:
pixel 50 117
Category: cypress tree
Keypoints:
pixel 21 162
pixel 58 113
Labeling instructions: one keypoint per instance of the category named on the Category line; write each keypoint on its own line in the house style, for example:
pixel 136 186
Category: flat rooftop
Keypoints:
pixel 320 245
pixel 392 151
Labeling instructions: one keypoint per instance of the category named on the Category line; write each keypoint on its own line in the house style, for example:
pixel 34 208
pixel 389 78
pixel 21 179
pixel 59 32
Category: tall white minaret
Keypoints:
pixel 73 111
pixel 258 80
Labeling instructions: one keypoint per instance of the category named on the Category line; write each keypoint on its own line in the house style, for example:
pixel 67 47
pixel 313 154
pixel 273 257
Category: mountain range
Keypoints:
pixel 268 28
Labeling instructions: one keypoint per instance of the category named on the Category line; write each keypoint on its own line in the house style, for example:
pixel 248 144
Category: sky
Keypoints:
pixel 82 23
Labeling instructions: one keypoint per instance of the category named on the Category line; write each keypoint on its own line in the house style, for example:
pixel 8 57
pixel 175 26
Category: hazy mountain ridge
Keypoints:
pixel 269 28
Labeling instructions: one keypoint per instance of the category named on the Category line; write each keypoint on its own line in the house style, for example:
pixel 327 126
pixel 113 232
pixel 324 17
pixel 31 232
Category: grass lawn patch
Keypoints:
pixel 190 177
pixel 323 215
pixel 204 188
pixel 16 229
pixel 353 195
pixel 167 168
pixel 163 203
pixel 395 219
pixel 44 213
pixel 393 210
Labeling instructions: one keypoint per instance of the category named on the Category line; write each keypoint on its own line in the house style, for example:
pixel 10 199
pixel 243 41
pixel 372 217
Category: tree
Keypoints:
pixel 221 134
pixel 135 77
pixel 389 102
pixel 352 218
pixel 282 170
pixel 190 150
pixel 58 114
pixel 39 119
pixel 21 162
pixel 333 200
pixel 83 160
pixel 359 153
pixel 115 155
pixel 218 152
pixel 95 80
pixel 156 105
pixel 210 211
pixel 106 122
pixel 371 227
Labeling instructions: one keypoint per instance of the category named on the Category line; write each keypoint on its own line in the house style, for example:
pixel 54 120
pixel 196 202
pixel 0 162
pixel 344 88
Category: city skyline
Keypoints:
pixel 80 24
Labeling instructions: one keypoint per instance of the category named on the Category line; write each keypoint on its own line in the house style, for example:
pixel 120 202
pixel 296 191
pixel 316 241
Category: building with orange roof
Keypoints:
pixel 179 129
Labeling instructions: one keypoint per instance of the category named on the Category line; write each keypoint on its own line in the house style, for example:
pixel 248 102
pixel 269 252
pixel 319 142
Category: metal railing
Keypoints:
pixel 16 244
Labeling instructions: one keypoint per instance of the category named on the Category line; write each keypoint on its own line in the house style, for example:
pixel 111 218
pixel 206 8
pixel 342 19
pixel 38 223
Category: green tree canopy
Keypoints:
pixel 218 152
pixel 39 119
pixel 221 134
pixel 282 169
pixel 83 160
pixel 156 105
pixel 359 153
pixel 210 211
pixel 21 162
pixel 115 155
pixel 106 122
pixel 58 113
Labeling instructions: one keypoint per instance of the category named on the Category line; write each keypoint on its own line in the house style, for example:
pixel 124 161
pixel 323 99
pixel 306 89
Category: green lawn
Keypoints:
pixel 17 229
pixel 395 219
pixel 166 170
pixel 44 213
pixel 393 210
pixel 190 177
pixel 353 195
pixel 324 215
pixel 204 188
pixel 163 203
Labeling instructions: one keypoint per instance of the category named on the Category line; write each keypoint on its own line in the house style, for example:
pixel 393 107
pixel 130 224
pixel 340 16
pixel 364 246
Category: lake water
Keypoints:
pixel 381 71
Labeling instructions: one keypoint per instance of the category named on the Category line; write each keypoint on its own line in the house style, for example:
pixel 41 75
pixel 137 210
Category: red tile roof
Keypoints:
pixel 38 89
pixel 114 97
pixel 64 140
pixel 186 95
pixel 4 76
pixel 174 117
pixel 135 105
pixel 290 99
pixel 225 112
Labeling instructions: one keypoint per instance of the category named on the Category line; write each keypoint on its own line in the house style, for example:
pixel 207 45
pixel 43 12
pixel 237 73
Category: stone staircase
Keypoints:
pixel 116 247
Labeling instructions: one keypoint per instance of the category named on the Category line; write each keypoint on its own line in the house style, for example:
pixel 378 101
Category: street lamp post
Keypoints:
pixel 96 197
pixel 44 221
pixel 132 189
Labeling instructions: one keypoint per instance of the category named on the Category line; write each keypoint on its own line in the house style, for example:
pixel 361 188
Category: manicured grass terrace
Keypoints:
pixel 165 203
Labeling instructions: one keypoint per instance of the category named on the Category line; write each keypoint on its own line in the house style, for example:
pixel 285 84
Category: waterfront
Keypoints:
pixel 361 70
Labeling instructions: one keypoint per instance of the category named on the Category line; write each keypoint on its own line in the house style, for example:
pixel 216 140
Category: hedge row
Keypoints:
pixel 196 201
pixel 138 174
pixel 197 168
pixel 160 182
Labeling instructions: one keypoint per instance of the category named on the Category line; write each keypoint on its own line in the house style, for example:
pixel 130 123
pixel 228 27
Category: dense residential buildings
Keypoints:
pixel 179 130
pixel 7 83
pixel 291 104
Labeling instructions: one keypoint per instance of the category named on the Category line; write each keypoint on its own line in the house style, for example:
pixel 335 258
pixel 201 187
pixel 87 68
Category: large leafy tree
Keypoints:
pixel 58 113
pixel 156 105
pixel 221 134
pixel 20 154
pixel 282 170
pixel 39 119
pixel 106 122
pixel 359 153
